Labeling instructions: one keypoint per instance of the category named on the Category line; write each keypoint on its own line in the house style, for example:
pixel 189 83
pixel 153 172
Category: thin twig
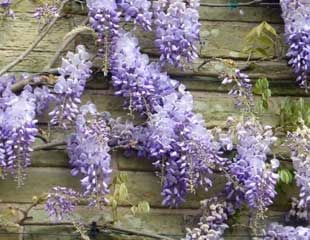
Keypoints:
pixel 49 145
pixel 67 41
pixel 36 42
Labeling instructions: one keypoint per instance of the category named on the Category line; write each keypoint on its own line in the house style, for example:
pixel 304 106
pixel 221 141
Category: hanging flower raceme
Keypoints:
pixel 176 140
pixel 17 128
pixel 74 72
pixel 252 179
pixel 89 154
pixel 299 144
pixel 296 15
pixel 241 90
pixel 277 231
pixel 134 78
pixel 177 30
pixel 213 222
pixel 139 11
pixel 61 203
pixel 89 150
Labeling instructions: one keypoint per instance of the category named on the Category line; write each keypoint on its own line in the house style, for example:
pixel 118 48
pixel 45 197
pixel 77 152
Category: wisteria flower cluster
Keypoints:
pixel 74 71
pixel 213 222
pixel 89 153
pixel 139 11
pixel 176 139
pixel 17 128
pixel 299 144
pixel 177 30
pixel 46 11
pixel 89 150
pixel 252 177
pixel 61 203
pixel 296 15
pixel 241 89
pixel 277 231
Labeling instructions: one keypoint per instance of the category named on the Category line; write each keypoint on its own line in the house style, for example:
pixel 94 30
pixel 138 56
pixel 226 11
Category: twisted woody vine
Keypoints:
pixel 169 133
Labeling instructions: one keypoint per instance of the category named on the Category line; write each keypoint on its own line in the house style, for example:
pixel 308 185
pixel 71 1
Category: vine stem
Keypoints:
pixel 16 87
pixel 49 145
pixel 67 41
pixel 36 42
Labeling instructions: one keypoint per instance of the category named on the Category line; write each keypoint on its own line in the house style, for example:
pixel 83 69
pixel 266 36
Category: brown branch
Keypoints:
pixel 67 41
pixel 21 84
pixel 36 42
pixel 49 145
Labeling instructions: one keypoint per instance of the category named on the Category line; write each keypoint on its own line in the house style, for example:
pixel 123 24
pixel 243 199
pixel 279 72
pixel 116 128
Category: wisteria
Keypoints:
pixel 296 15
pixel 213 222
pixel 17 128
pixel 74 71
pixel 177 30
pixel 277 231
pixel 46 11
pixel 89 150
pixel 177 141
pixel 299 144
pixel 89 154
pixel 61 203
pixel 241 89
pixel 139 11
pixel 168 132
pixel 253 179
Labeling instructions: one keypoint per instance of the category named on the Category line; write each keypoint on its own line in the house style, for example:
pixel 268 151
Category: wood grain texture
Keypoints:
pixel 223 31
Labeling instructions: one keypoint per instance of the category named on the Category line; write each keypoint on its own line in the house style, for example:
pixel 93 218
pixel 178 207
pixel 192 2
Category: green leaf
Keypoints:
pixel 123 192
pixel 270 29
pixel 285 176
pixel 143 207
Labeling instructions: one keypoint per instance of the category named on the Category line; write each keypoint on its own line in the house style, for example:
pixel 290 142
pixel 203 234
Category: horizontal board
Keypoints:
pixel 166 222
pixel 215 107
pixel 141 186
pixel 243 14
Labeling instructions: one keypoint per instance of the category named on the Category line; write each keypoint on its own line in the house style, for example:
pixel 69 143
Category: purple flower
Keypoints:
pixel 177 31
pixel 296 17
pixel 299 144
pixel 61 203
pixel 213 221
pixel 46 11
pixel 252 179
pixel 175 138
pixel 17 129
pixel 241 90
pixel 277 231
pixel 74 72
pixel 89 154
pixel 139 11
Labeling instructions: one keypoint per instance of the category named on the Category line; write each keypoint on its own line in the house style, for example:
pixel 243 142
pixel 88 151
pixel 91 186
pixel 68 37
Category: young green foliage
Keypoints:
pixel 292 113
pixel 262 89
pixel 262 40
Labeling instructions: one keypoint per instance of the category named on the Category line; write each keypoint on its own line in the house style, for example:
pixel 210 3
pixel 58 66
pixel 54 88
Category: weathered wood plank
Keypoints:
pixel 160 221
pixel 141 186
pixel 224 39
pixel 215 107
